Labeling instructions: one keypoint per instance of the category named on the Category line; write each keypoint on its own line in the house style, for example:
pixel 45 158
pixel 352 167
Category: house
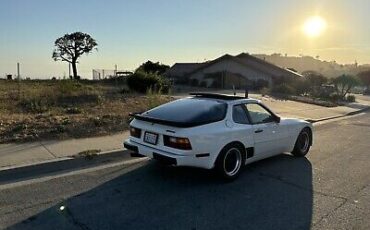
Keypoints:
pixel 180 71
pixel 230 71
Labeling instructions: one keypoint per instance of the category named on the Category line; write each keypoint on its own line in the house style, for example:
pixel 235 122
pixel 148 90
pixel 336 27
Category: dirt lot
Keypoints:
pixel 39 110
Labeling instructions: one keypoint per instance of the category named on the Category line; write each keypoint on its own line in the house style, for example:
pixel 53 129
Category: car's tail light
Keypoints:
pixel 177 142
pixel 135 132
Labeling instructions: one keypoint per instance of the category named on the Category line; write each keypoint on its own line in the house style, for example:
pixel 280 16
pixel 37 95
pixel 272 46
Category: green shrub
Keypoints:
pixel 283 88
pixel 300 86
pixel 141 82
pixel 97 121
pixel 194 82
pixel 264 91
pixel 165 86
pixel 66 121
pixel 335 97
pixel 203 84
pixel 60 129
pixel 351 98
pixel 216 84
pixel 260 84
pixel 124 91
pixel 19 127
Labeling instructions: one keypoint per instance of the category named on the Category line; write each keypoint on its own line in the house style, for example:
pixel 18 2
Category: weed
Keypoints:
pixel 154 98
pixel 18 128
pixel 73 110
pixel 89 154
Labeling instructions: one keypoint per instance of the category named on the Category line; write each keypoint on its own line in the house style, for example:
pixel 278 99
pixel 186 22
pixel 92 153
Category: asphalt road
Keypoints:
pixel 330 189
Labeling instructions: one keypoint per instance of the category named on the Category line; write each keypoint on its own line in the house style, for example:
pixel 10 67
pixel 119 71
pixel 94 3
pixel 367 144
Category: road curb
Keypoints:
pixel 58 159
pixel 340 116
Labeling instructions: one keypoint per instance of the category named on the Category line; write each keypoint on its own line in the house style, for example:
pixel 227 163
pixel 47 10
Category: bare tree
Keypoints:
pixel 343 84
pixel 71 46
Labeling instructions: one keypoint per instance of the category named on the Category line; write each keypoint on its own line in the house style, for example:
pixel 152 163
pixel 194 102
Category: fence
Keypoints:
pixel 99 74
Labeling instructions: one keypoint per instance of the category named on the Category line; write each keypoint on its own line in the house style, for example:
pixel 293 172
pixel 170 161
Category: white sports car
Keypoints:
pixel 216 131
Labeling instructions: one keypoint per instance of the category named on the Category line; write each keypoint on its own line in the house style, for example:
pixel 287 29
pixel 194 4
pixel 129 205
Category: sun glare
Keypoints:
pixel 314 26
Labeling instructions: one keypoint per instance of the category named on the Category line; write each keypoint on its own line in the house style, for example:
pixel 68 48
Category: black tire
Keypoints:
pixel 230 161
pixel 303 143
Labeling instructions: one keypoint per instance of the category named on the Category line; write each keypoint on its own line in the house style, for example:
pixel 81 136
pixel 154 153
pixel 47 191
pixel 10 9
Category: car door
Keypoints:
pixel 242 129
pixel 267 131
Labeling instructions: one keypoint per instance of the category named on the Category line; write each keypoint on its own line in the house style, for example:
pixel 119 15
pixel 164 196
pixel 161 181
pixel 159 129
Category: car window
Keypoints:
pixel 258 114
pixel 240 115
pixel 189 110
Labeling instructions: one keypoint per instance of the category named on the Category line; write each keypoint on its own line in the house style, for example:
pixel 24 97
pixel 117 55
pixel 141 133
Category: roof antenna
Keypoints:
pixel 234 90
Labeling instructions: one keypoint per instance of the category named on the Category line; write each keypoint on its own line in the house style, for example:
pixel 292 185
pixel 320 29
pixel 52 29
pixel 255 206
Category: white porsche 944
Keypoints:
pixel 216 131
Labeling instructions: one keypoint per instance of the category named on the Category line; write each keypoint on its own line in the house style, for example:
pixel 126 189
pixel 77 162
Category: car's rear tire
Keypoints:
pixel 303 143
pixel 230 161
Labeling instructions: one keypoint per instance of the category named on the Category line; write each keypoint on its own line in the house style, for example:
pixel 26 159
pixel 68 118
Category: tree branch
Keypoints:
pixel 64 59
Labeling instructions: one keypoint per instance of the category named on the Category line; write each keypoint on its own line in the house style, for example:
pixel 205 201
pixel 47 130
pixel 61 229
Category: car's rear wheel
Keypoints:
pixel 302 145
pixel 230 161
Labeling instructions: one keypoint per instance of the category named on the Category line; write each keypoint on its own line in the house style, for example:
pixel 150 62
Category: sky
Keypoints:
pixel 130 32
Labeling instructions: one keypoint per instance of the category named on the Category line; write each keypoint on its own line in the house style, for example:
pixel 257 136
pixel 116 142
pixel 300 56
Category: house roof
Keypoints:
pixel 265 66
pixel 209 63
pixel 182 69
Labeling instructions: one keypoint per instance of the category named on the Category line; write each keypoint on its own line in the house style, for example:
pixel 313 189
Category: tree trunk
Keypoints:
pixel 74 70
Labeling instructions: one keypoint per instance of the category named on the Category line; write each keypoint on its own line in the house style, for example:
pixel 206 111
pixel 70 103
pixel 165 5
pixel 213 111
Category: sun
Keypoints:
pixel 314 26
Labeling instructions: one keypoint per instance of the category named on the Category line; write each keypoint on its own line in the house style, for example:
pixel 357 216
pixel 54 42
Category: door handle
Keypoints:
pixel 258 131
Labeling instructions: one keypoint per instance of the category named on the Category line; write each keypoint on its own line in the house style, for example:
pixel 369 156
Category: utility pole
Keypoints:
pixel 115 75
pixel 18 72
pixel 19 80
pixel 69 70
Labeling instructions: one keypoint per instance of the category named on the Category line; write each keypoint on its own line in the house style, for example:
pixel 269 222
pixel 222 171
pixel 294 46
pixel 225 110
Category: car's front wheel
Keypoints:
pixel 230 161
pixel 302 144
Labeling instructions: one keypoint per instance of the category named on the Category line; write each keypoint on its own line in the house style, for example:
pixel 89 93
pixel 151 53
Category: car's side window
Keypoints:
pixel 240 115
pixel 258 114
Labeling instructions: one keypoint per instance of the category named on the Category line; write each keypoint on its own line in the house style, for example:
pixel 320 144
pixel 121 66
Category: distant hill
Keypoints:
pixel 305 63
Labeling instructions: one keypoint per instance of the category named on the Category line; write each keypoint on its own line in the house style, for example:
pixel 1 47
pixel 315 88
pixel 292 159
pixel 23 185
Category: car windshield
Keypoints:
pixel 189 111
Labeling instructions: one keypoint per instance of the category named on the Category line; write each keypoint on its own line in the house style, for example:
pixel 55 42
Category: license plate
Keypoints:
pixel 151 138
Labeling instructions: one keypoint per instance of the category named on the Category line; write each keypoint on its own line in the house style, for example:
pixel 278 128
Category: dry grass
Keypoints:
pixel 39 110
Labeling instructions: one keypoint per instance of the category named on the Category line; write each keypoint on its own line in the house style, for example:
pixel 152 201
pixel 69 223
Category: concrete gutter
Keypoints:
pixel 61 165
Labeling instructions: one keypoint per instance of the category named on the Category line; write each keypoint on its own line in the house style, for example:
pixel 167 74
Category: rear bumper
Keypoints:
pixel 170 158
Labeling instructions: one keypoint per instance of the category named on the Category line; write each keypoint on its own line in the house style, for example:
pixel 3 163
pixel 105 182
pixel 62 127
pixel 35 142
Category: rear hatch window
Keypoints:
pixel 186 112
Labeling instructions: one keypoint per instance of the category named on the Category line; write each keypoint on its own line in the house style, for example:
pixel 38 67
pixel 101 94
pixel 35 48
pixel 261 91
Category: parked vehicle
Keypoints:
pixel 216 131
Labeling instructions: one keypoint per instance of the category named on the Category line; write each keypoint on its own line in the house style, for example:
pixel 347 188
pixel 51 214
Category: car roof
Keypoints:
pixel 230 99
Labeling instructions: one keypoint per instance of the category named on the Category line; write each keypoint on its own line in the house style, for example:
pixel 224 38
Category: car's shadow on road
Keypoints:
pixel 272 194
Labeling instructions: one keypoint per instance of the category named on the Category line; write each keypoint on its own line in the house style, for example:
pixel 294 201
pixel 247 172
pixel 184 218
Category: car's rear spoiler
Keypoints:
pixel 177 124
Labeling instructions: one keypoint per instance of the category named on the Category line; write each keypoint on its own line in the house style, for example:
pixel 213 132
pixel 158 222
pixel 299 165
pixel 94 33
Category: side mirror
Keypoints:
pixel 277 119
